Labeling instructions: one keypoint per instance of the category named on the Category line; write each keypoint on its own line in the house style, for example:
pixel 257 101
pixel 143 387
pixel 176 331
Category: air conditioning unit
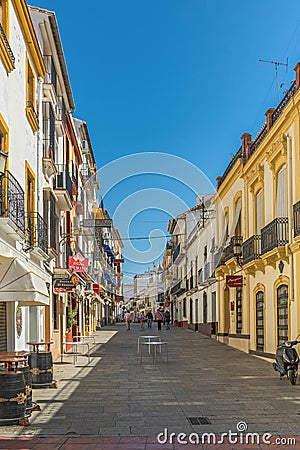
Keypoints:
pixel 85 146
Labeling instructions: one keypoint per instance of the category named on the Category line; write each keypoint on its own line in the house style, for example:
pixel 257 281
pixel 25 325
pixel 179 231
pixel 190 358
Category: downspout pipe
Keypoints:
pixel 290 149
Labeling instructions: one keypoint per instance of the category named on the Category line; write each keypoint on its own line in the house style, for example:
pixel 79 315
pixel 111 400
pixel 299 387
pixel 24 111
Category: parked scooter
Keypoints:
pixel 287 360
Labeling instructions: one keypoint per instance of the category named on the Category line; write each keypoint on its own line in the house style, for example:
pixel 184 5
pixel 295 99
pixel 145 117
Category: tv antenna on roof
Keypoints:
pixel 276 64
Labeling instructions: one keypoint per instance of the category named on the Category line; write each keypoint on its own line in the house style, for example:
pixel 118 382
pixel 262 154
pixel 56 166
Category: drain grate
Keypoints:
pixel 199 420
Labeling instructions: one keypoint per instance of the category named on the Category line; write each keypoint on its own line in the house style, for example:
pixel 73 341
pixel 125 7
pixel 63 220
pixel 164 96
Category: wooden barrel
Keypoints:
pixel 41 367
pixel 28 385
pixel 12 397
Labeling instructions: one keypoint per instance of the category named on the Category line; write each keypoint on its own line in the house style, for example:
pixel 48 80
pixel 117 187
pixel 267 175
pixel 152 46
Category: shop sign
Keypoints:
pixel 104 223
pixel 63 285
pixel 98 244
pixel 78 263
pixel 234 281
pixel 96 288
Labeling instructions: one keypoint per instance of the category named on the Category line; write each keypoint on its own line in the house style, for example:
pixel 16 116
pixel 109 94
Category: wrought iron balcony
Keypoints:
pixel 48 131
pixel 176 252
pixel 33 111
pixel 251 249
pixel 12 200
pixel 296 209
pixel 61 113
pixel 63 179
pixel 275 234
pixel 283 102
pixel 229 250
pixel 8 47
pixel 36 232
pixel 51 75
pixel 179 288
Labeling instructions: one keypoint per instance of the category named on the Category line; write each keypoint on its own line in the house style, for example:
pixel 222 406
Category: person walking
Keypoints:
pixel 149 317
pixel 142 320
pixel 159 318
pixel 127 318
pixel 167 318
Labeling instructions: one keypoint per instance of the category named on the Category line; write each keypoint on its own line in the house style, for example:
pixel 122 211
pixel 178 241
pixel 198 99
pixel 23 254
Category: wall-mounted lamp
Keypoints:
pixel 281 266
pixel 237 250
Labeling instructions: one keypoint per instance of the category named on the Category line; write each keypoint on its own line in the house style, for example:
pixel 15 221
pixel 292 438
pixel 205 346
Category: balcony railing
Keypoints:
pixel 231 164
pixel 251 249
pixel 283 102
pixel 48 131
pixel 179 287
pixel 8 47
pixel 229 250
pixel 259 138
pixel 32 109
pixel 296 209
pixel 12 200
pixel 61 113
pixel 176 252
pixel 275 234
pixel 51 76
pixel 63 179
pixel 36 232
pixel 86 171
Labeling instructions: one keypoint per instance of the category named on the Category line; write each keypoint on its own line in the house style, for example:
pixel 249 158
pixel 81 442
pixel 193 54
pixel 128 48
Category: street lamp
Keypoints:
pixel 237 250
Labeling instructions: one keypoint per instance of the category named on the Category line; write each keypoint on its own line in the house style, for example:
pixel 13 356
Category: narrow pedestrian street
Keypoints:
pixel 120 402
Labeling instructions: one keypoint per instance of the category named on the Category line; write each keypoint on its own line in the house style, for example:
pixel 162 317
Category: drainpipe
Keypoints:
pixel 290 148
pixel 39 140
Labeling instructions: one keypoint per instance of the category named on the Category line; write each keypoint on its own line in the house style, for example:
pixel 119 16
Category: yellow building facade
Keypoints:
pixel 258 217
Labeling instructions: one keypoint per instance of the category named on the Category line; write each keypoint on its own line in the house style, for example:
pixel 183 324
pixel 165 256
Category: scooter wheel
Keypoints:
pixel 292 376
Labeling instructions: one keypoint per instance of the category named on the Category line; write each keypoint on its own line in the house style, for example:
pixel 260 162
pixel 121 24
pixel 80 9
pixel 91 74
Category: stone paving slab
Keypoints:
pixel 119 397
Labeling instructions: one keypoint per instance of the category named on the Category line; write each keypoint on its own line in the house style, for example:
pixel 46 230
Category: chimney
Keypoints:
pixel 297 70
pixel 246 144
pixel 218 179
pixel 269 115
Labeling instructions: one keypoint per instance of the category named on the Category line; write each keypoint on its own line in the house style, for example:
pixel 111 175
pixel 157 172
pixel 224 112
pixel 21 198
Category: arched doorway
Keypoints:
pixel 260 343
pixel 282 313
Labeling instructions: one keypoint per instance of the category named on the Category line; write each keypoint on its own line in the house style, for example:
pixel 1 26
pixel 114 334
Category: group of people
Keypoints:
pixel 161 317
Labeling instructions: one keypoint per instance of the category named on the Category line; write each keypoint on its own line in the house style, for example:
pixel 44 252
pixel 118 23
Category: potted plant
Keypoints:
pixel 71 322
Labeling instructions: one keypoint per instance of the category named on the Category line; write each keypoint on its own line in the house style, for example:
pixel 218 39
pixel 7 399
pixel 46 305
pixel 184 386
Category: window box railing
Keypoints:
pixel 48 131
pixel 176 252
pixel 275 234
pixel 251 249
pixel 179 287
pixel 12 203
pixel 8 47
pixel 36 232
pixel 296 211
pixel 63 179
pixel 51 75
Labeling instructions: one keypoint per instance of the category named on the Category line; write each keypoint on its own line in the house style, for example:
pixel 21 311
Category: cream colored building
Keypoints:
pixel 258 212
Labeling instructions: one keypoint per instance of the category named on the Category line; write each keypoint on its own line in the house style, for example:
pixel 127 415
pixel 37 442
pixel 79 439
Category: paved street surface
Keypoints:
pixel 119 402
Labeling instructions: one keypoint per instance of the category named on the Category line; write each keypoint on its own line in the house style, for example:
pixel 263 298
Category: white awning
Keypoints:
pixel 18 282
pixel 235 219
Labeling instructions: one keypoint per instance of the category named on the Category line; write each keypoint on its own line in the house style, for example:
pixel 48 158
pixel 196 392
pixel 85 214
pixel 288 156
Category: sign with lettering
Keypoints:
pixel 234 281
pixel 98 244
pixel 105 223
pixel 63 285
pixel 78 263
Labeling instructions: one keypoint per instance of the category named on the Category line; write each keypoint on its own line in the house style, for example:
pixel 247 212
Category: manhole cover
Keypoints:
pixel 198 420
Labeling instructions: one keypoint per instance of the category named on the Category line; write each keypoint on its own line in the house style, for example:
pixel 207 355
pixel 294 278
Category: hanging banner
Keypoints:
pixel 234 281
pixel 78 263
pixel 98 244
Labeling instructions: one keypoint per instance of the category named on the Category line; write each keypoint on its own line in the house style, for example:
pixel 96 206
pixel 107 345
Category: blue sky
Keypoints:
pixel 180 77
